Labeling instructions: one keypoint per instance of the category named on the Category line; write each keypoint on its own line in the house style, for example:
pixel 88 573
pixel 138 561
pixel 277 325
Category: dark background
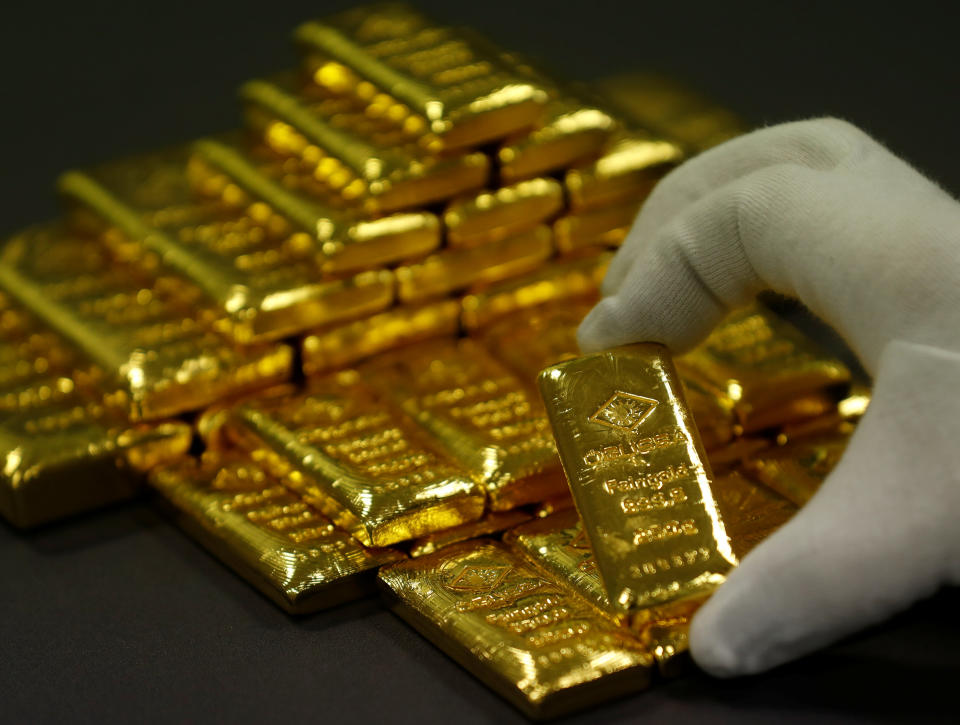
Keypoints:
pixel 116 615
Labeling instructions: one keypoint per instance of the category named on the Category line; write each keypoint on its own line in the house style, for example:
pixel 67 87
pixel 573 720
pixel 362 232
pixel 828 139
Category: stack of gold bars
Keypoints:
pixel 318 338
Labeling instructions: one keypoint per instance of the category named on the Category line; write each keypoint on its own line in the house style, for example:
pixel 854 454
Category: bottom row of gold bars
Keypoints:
pixel 401 437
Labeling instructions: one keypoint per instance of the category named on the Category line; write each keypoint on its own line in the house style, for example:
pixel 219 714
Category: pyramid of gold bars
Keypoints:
pixel 317 339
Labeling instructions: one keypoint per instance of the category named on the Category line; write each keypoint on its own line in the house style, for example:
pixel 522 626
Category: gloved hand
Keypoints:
pixel 819 211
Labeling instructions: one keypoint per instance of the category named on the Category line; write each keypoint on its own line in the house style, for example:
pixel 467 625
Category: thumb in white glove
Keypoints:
pixel 819 211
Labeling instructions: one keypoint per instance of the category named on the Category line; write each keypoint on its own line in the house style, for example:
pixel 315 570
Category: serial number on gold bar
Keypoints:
pixel 639 476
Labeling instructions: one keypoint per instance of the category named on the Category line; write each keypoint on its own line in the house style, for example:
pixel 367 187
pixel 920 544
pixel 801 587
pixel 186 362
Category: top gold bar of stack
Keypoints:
pixel 345 305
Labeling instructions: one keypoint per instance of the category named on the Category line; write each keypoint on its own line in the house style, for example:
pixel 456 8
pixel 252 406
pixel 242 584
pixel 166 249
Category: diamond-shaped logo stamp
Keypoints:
pixel 624 411
pixel 479 578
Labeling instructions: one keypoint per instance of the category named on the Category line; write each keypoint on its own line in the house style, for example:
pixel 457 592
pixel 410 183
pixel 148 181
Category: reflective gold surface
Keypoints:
pixel 152 336
pixel 492 215
pixel 454 269
pixel 516 630
pixel 840 419
pixel 560 283
pixel 639 476
pixel 751 512
pixel 356 459
pixel 627 171
pixel 760 364
pixel 406 67
pixel 479 413
pixel 296 206
pixel 372 162
pixel 492 523
pixel 351 342
pixel 553 505
pixel 796 470
pixel 267 534
pixel 605 226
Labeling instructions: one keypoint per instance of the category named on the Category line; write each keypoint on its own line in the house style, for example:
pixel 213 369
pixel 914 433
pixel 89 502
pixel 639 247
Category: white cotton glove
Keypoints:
pixel 819 211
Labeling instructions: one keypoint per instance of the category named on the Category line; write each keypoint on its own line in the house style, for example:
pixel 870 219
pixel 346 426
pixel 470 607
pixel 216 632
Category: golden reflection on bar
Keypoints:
pixel 796 470
pixel 346 344
pixel 357 459
pixel 478 412
pixel 520 633
pixel 267 534
pixel 421 74
pixel 272 188
pixel 639 476
pixel 604 227
pixel 555 286
pixel 751 511
pixel 153 337
pixel 840 419
pixel 759 364
pixel 492 215
pixel 369 162
pixel 146 211
pixel 492 523
pixel 453 269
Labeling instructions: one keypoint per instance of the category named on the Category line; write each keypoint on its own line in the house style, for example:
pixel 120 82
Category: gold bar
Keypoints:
pixel 338 347
pixel 842 419
pixel 356 459
pixel 403 65
pixel 146 211
pixel 493 215
pixel 369 162
pixel 453 269
pixel 789 413
pixel 639 476
pixel 796 470
pixel 668 108
pixel 267 534
pixel 732 454
pixel 517 631
pixel 759 363
pixel 338 240
pixel 605 227
pixel 152 337
pixel 562 283
pixel 492 523
pixel 751 511
pixel 553 505
pixel 627 171
pixel 479 413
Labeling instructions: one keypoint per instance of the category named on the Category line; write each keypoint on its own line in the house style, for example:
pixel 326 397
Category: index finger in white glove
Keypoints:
pixel 867 243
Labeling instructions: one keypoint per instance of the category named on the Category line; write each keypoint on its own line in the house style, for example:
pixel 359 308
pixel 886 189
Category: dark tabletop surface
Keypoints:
pixel 118 616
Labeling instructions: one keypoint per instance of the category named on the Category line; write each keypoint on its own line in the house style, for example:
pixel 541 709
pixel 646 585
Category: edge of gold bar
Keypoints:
pixel 453 269
pixel 605 226
pixel 381 178
pixel 478 412
pixel 347 344
pixel 342 241
pixel 639 476
pixel 503 212
pixel 492 523
pixel 265 533
pixel 560 280
pixel 518 632
pixel 66 460
pixel 357 459
pixel 796 470
pixel 150 335
pixel 465 96
pixel 628 169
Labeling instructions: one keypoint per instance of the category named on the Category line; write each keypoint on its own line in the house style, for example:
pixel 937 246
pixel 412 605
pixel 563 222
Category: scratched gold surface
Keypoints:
pixel 152 335
pixel 494 214
pixel 639 476
pixel 301 208
pixel 367 160
pixel 796 470
pixel 358 459
pixel 759 364
pixel 515 629
pixel 266 533
pixel 479 412
pixel 423 74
